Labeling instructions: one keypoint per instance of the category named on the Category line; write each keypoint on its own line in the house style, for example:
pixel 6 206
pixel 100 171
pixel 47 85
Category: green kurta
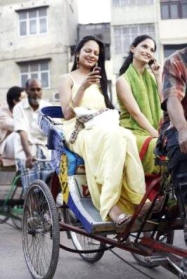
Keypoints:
pixel 145 92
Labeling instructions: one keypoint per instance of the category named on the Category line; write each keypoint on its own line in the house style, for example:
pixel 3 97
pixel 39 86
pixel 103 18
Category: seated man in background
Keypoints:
pixel 26 115
pixel 175 135
pixel 14 95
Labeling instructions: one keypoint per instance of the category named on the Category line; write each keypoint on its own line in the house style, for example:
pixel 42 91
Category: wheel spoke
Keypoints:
pixel 40 232
pixel 82 242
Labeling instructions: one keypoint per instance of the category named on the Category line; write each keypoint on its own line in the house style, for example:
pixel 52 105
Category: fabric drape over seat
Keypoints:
pixel 113 168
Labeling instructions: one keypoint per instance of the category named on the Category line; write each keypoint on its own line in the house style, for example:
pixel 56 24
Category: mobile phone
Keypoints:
pixel 96 68
pixel 152 61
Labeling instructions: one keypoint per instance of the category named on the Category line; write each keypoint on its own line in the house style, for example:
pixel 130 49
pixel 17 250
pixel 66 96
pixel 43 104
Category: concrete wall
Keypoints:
pixel 173 31
pixel 133 14
pixel 54 45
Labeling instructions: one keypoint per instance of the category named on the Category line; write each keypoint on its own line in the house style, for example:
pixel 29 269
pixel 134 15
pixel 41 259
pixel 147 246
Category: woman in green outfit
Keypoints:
pixel 139 94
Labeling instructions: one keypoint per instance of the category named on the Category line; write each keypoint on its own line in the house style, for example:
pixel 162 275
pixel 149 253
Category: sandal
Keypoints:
pixel 122 220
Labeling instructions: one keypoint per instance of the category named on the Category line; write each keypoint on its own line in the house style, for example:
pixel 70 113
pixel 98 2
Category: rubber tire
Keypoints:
pixel 141 260
pixel 4 218
pixel 78 244
pixel 184 268
pixel 7 208
pixel 17 219
pixel 40 189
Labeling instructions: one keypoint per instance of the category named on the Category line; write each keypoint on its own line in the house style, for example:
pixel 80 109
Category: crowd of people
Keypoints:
pixel 109 141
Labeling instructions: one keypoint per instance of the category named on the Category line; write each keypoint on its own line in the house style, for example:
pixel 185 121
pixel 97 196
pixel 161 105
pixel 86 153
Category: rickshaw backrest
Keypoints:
pixel 56 140
pixel 53 111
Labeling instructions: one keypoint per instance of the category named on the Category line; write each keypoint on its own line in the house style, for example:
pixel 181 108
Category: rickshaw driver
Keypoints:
pixel 175 135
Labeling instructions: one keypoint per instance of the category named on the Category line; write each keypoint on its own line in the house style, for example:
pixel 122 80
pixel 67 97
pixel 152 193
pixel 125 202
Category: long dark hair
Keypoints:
pixel 129 58
pixel 101 64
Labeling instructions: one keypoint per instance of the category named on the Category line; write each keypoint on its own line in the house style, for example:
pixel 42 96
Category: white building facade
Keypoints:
pixel 35 40
pixel 164 20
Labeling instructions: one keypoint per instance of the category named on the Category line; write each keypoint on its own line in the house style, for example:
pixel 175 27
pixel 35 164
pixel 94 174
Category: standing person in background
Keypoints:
pixel 113 169
pixel 26 124
pixel 14 95
pixel 139 95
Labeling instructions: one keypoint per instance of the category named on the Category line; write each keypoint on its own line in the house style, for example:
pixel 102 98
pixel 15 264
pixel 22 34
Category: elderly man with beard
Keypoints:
pixel 25 115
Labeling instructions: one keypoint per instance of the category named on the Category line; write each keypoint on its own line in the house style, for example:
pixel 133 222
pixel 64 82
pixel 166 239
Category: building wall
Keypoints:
pixel 53 45
pixel 167 32
pixel 100 30
pixel 133 14
pixel 130 16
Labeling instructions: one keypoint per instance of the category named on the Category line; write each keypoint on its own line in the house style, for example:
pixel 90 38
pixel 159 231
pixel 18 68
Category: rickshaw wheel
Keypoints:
pixel 7 209
pixel 41 236
pixel 82 242
pixel 146 261
pixel 17 211
pixel 184 268
pixel 4 218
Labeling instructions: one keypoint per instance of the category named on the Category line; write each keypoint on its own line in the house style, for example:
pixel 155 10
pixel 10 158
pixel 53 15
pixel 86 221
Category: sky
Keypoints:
pixel 92 11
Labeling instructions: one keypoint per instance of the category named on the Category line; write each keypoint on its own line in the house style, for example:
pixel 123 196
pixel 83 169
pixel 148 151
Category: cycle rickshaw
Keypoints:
pixel 11 196
pixel 13 182
pixel 149 239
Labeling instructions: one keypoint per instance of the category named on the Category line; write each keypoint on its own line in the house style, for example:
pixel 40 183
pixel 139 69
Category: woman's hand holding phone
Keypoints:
pixel 93 77
pixel 155 67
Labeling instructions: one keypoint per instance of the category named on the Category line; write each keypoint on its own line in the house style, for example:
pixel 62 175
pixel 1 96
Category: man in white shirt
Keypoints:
pixel 25 115
pixel 14 95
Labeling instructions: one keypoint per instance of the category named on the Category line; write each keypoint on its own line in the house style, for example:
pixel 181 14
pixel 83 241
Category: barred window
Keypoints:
pixel 124 35
pixel 173 9
pixel 33 22
pixel 35 70
pixel 123 3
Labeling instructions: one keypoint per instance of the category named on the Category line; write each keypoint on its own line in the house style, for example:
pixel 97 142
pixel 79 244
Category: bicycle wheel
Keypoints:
pixel 184 269
pixel 5 208
pixel 4 214
pixel 147 261
pixel 17 210
pixel 41 234
pixel 82 242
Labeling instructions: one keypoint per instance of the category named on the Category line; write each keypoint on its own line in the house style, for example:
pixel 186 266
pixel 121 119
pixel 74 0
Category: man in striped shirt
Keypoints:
pixel 175 135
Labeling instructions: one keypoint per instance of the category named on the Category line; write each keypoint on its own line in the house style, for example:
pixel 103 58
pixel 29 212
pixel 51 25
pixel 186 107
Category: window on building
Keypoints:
pixel 124 35
pixel 37 70
pixel 169 49
pixel 33 21
pixel 123 3
pixel 173 9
